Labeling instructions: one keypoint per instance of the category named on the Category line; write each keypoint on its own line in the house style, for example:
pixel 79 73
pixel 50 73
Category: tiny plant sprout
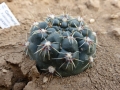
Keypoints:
pixel 61 45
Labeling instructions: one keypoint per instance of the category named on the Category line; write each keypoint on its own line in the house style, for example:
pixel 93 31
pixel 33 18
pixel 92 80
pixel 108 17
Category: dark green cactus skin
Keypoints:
pixel 62 42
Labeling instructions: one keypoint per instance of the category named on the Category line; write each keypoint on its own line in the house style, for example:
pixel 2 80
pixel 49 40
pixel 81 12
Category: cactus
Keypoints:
pixel 61 45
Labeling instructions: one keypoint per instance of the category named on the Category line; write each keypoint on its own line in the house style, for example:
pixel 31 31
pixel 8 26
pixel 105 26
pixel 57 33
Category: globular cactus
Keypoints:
pixel 61 45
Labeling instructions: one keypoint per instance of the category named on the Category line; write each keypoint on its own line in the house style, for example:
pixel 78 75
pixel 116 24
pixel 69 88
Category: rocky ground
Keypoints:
pixel 18 72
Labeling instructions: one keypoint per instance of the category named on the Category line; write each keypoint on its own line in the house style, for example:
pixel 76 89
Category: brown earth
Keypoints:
pixel 17 72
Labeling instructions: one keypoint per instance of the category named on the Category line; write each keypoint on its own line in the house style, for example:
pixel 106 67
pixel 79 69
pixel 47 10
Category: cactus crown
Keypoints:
pixel 61 44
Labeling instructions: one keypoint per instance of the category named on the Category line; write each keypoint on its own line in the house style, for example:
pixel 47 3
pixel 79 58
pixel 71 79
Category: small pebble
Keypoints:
pixel 92 20
pixel 45 79
pixel 114 16
pixel 43 86
pixel 4 70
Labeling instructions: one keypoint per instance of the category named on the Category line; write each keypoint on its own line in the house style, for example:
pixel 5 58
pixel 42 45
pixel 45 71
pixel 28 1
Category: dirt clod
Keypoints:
pixel 114 16
pixel 93 4
pixel 115 3
pixel 14 58
pixel 34 73
pixel 116 32
pixel 26 66
pixel 6 78
pixel 31 86
pixel 2 61
pixel 19 86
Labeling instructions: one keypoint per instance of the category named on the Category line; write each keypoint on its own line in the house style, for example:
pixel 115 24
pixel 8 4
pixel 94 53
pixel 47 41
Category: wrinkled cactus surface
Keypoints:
pixel 61 45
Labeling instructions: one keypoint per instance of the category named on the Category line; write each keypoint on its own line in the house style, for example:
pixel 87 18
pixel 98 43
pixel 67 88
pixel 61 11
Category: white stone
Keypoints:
pixel 4 70
pixel 45 79
pixel 92 20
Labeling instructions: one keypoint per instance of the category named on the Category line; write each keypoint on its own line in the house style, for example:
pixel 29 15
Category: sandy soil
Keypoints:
pixel 17 72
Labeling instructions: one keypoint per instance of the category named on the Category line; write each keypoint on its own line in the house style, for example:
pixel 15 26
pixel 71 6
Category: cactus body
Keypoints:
pixel 62 42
